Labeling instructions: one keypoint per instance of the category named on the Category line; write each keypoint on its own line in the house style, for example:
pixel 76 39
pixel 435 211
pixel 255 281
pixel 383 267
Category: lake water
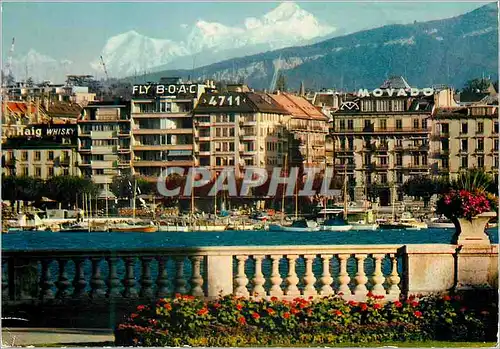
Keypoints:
pixel 29 241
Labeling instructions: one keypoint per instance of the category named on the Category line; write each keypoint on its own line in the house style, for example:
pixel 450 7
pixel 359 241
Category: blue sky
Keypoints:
pixel 78 31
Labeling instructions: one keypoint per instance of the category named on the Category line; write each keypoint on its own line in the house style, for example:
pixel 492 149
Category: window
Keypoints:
pixel 50 155
pixel 342 125
pixel 24 171
pixel 383 160
pixel 480 161
pixel 38 156
pixel 399 160
pixel 399 124
pixel 368 124
pixel 424 159
pixel 464 128
pixel 480 144
pixel 464 145
pixel 480 127
pixel 445 144
pixel 383 124
pixel 399 142
pixel 495 161
pixel 383 178
pixel 495 145
pixel 350 124
pixel 217 132
pixel 416 160
pixel 445 162
pixel 495 127
pixel 50 171
pixel 445 129
pixel 464 161
pixel 38 172
pixel 416 123
pixel 424 123
pixel 99 171
pixel 399 177
pixel 24 155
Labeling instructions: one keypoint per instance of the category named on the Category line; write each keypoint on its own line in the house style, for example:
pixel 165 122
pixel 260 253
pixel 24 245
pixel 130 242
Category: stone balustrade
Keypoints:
pixel 48 278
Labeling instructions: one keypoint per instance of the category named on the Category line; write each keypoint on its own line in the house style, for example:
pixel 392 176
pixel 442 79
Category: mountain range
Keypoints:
pixel 449 51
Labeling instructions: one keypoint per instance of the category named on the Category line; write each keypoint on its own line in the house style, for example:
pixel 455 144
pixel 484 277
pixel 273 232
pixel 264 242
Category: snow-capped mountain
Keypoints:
pixel 286 25
pixel 39 67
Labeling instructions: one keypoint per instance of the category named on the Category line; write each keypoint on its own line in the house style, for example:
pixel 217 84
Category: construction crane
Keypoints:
pixel 8 66
pixel 104 67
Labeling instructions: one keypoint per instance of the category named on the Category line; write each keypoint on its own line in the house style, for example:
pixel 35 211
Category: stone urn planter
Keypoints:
pixel 472 232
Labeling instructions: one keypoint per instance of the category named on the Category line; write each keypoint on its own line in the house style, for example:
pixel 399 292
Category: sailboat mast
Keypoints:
pixel 393 203
pixel 345 192
pixel 133 204
pixel 192 194
pixel 296 198
pixel 283 195
pixel 107 207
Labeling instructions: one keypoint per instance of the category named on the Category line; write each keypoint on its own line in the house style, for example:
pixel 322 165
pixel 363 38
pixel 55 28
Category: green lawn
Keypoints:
pixel 427 344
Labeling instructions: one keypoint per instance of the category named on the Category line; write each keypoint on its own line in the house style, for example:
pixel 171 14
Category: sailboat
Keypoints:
pixel 134 228
pixel 405 222
pixel 337 222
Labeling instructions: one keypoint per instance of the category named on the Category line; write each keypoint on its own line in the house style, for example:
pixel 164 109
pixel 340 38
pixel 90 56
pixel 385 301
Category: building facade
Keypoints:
pixel 465 137
pixel 240 129
pixel 104 141
pixel 162 125
pixel 382 138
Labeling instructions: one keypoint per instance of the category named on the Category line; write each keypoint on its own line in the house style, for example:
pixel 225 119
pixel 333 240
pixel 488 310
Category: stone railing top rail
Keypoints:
pixel 249 250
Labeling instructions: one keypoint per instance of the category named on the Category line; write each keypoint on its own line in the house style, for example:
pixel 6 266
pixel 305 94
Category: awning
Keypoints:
pixel 106 194
pixel 180 153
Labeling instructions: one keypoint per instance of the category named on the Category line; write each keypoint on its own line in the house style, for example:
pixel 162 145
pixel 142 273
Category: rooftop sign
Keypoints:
pixel 168 90
pixel 392 92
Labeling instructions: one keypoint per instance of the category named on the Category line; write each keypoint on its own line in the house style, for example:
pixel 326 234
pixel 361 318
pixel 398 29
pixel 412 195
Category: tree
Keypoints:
pixel 474 179
pixel 477 85
pixel 30 82
pixel 122 186
pixel 420 187
pixel 281 83
pixel 68 189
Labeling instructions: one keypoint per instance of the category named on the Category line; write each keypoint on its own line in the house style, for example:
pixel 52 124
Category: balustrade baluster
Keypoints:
pixel 378 276
pixel 361 278
pixel 113 281
pixel 309 278
pixel 162 282
pixel 344 277
pixel 241 279
pixel 79 282
pixel 292 279
pixel 197 279
pixel 326 278
pixel 63 283
pixel 5 280
pixel 276 279
pixel 46 283
pixel 258 280
pixel 180 283
pixel 147 280
pixel 129 281
pixel 96 282
pixel 394 278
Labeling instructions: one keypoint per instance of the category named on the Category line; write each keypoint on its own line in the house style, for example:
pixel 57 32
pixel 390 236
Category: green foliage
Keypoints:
pixel 281 83
pixel 236 321
pixel 123 186
pixel 475 180
pixel 477 85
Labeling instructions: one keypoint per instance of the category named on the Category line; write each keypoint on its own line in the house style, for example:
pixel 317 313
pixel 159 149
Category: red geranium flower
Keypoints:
pixel 338 313
pixel 364 306
pixel 217 305
pixel 370 294
pixel 309 311
pixel 294 311
pixel 167 306
pixel 286 315
pixel 270 311
pixel 352 303
pixel 178 295
pixel 242 320
pixel 134 315
pixel 274 299
pixel 203 311
pixel 377 306
pixel 417 313
pixel 414 303
pixel 446 298
pixel 398 304
pixel 239 306
pixel 140 307
pixel 255 315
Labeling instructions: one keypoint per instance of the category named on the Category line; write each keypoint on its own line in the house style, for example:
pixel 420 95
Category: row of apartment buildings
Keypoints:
pixel 381 137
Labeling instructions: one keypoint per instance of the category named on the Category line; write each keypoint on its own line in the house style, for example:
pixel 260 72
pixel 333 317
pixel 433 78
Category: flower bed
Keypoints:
pixel 466 204
pixel 232 321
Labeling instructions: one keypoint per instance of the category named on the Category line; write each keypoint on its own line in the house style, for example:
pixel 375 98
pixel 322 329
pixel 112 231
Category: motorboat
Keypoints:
pixel 441 223
pixel 173 228
pixel 297 226
pixel 335 224
pixel 362 225
pixel 133 228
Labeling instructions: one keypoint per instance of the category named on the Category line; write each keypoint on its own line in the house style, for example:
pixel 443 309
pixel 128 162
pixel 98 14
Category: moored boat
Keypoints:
pixel 335 224
pixel 133 228
pixel 297 226
pixel 441 223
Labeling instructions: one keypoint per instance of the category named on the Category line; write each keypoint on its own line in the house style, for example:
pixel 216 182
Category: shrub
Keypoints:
pixel 465 204
pixel 235 321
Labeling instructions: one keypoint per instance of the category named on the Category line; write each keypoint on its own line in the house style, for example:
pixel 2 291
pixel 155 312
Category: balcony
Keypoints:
pixel 123 149
pixel 161 147
pixel 145 131
pixel 422 147
pixel 389 130
pixel 380 167
pixel 103 134
pixel 102 150
pixel 162 115
pixel 162 163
